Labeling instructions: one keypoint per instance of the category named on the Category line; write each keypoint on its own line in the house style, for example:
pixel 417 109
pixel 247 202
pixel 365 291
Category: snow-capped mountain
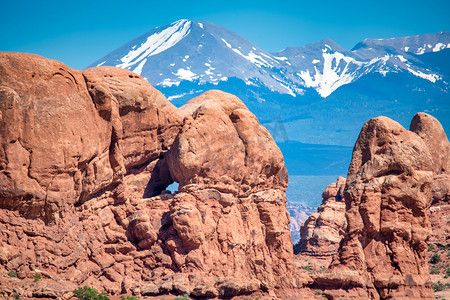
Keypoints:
pixel 316 94
pixel 204 52
pixel 418 44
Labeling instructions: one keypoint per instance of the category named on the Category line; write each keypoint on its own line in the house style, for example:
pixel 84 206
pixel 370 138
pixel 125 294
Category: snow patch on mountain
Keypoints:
pixel 167 82
pixel 185 74
pixel 251 57
pixel 430 77
pixel 157 43
pixel 138 69
pixel 334 73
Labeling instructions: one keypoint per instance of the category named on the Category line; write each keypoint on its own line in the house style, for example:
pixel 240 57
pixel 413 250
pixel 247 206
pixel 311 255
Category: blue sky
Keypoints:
pixel 80 32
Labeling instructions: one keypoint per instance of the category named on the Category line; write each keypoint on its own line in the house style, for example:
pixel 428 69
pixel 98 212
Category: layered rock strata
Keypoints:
pixel 388 196
pixel 85 159
pixel 322 232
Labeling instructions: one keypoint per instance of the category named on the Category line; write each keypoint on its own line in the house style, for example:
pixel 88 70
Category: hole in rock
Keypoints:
pixel 173 187
pixel 161 180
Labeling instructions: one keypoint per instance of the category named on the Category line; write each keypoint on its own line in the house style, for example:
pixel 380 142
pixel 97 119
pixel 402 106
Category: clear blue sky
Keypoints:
pixel 80 32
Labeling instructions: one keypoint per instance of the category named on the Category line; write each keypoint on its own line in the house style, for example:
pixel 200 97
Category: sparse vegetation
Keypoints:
pixel 319 292
pixel 12 273
pixel 16 296
pixel 430 247
pixel 128 298
pixel 37 277
pixel 88 293
pixel 447 273
pixel 439 286
pixel 435 258
pixel 433 270
pixel 182 297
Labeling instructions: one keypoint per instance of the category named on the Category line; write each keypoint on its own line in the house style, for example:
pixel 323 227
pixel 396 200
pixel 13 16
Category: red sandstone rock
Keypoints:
pixel 94 123
pixel 222 145
pixel 440 210
pixel 388 195
pixel 54 144
pixel 323 231
pixel 83 159
pixel 432 133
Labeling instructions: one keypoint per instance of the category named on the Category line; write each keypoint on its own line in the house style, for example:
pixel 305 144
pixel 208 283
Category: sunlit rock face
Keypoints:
pixel 432 133
pixel 323 231
pixel 85 159
pixel 388 197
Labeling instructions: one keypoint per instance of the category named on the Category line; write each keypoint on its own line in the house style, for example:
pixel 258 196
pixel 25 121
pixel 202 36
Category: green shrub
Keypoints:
pixel 37 277
pixel 12 273
pixel 435 258
pixel 434 271
pixel 88 293
pixel 447 273
pixel 182 297
pixel 439 286
pixel 430 247
pixel 319 292
pixel 128 298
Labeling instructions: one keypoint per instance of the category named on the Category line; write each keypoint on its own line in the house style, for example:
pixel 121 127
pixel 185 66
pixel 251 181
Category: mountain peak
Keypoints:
pixel 204 53
pixel 417 44
pixel 157 41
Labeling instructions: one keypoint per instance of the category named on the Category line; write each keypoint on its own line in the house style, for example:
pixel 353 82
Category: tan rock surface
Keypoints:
pixel 54 144
pixel 432 133
pixel 84 159
pixel 222 145
pixel 322 232
pixel 388 195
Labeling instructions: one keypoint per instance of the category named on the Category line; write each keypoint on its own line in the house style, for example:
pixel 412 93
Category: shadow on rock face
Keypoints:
pixel 159 180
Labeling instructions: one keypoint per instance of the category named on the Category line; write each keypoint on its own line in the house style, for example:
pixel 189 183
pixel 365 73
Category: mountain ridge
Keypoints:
pixel 320 93
pixel 220 54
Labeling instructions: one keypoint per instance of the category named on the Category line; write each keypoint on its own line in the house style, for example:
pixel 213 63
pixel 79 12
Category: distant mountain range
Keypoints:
pixel 317 94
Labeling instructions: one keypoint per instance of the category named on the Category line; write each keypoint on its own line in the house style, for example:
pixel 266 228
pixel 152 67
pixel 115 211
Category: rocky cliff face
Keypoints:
pixel 322 232
pixel 432 133
pixel 388 196
pixel 85 159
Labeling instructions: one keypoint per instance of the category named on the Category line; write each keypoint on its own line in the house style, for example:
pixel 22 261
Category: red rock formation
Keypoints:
pixel 84 158
pixel 55 145
pixel 323 231
pixel 388 195
pixel 432 133
pixel 218 126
